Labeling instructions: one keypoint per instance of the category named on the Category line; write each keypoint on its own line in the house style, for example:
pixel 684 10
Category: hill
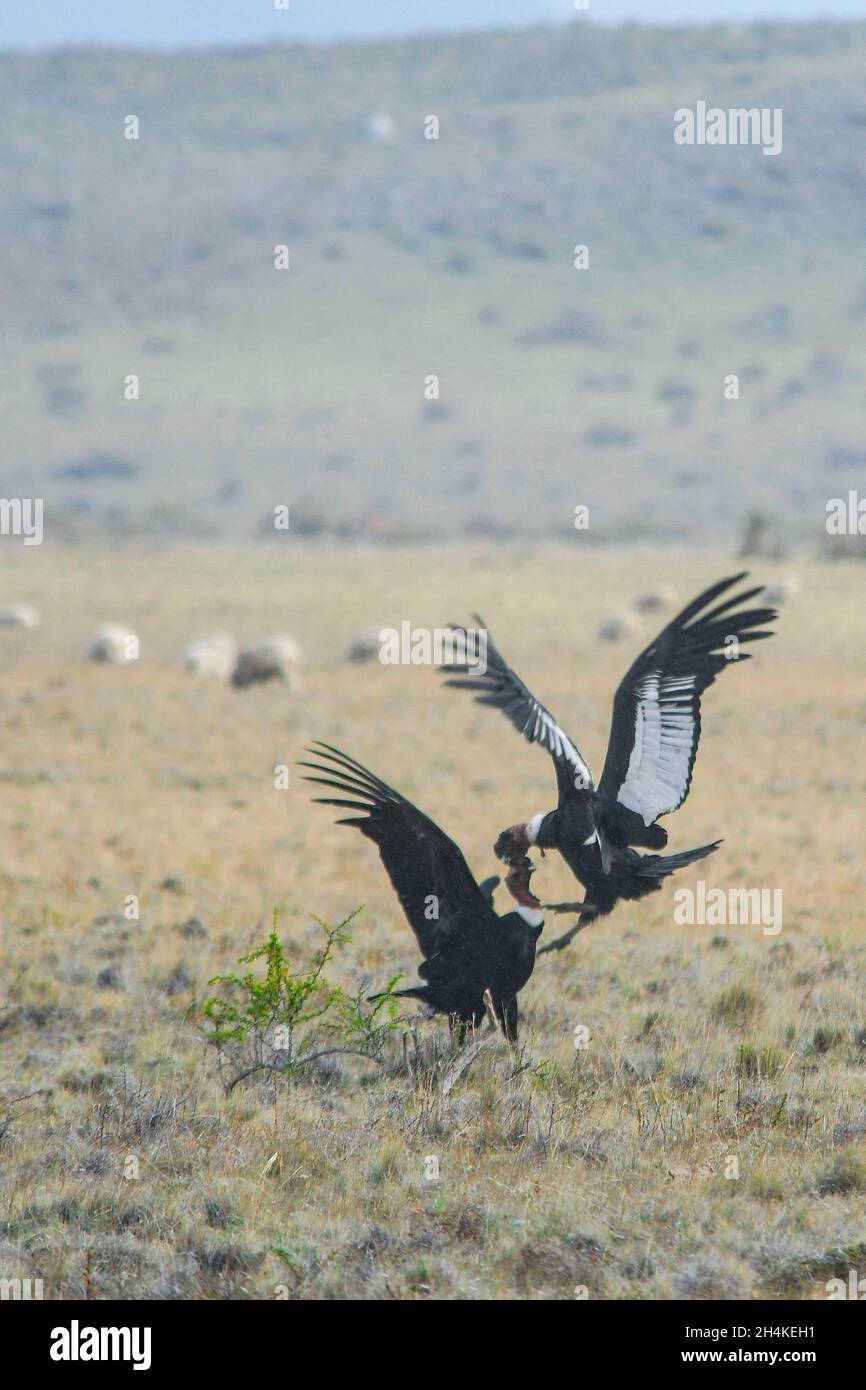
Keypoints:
pixel 411 257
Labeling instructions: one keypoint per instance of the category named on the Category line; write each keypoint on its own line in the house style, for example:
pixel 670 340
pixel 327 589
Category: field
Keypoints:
pixel 608 1170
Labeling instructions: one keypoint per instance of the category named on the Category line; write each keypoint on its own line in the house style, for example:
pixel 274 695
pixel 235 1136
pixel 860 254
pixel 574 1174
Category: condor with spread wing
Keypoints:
pixel 655 729
pixel 468 949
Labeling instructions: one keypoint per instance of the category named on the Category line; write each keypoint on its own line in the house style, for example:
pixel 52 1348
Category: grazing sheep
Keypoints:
pixel 365 647
pixel 20 615
pixel 274 658
pixel 114 644
pixel 211 656
pixel 781 591
pixel 760 539
pixel 663 596
pixel 616 627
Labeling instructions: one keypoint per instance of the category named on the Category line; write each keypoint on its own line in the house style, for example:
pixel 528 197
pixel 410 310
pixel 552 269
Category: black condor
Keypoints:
pixel 654 735
pixel 468 949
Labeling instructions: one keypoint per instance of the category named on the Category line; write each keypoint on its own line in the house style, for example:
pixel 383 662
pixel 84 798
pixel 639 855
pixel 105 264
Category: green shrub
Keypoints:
pixel 280 1023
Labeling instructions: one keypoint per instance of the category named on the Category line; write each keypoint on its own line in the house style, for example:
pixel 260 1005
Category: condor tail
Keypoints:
pixel 660 865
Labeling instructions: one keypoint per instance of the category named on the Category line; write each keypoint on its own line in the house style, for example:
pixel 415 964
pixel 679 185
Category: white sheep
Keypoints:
pixel 211 656
pixel 274 658
pixel 114 644
pixel 781 591
pixel 20 615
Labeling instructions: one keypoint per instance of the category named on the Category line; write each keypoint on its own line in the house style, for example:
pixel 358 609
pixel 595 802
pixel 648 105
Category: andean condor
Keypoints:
pixel 655 729
pixel 468 948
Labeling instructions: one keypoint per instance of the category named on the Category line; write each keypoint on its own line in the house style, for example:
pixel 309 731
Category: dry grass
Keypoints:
pixel 607 1171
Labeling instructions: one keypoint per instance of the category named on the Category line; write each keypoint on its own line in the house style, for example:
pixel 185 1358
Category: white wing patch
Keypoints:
pixel 664 736
pixel 547 732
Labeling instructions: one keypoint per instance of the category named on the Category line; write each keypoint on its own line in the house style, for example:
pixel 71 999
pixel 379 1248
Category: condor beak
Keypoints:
pixel 512 845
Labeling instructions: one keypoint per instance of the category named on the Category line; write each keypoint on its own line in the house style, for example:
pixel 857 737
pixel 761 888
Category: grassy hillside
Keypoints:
pixel 412 257
pixel 609 1168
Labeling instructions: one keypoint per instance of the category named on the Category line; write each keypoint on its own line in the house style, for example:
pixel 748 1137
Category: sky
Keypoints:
pixel 171 23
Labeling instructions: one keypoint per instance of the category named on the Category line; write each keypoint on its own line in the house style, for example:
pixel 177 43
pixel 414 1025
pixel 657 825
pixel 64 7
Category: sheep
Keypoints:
pixel 20 615
pixel 662 596
pixel 616 626
pixel 365 647
pixel 274 658
pixel 781 591
pixel 211 656
pixel 114 644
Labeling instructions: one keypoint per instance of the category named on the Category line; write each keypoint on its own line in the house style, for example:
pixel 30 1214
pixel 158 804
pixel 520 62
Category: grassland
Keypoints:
pixel 603 1168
